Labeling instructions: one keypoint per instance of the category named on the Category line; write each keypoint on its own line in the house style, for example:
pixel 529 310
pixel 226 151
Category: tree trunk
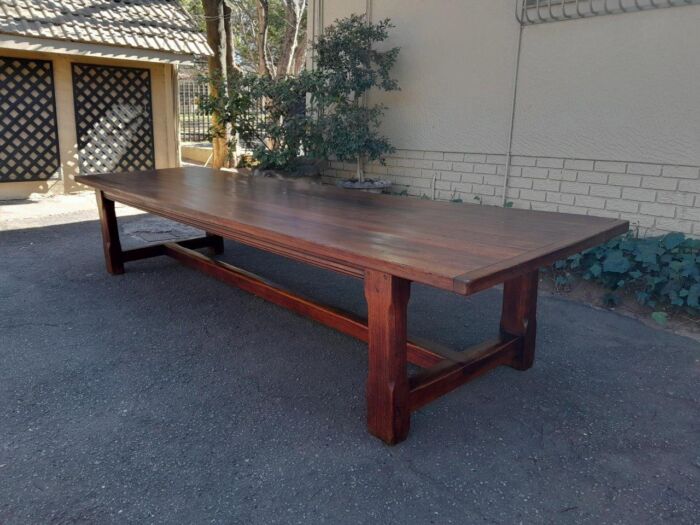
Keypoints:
pixel 230 42
pixel 263 11
pixel 293 13
pixel 299 55
pixel 216 36
pixel 360 160
pixel 232 71
pixel 360 169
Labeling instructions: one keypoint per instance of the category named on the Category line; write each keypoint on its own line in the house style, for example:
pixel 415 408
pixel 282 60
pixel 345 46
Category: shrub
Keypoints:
pixel 286 130
pixel 349 67
pixel 268 114
pixel 343 127
pixel 659 271
pixel 231 102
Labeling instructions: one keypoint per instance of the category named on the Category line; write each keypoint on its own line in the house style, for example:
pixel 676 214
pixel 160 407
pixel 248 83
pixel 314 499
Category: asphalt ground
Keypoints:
pixel 164 396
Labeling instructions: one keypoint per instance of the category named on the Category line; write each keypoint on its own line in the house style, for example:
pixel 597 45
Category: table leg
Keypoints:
pixel 388 413
pixel 110 234
pixel 519 316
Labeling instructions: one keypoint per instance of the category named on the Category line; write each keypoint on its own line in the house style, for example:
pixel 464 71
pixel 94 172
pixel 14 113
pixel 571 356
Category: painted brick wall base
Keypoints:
pixel 655 198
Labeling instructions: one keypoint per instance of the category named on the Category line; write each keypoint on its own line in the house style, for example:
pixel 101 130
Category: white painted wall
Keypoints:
pixel 622 88
pixel 455 74
pixel 446 59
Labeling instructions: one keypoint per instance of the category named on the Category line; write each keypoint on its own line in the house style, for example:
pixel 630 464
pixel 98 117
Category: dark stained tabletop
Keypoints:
pixel 460 247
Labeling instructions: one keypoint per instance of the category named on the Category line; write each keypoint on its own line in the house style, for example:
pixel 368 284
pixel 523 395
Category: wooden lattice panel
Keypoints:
pixel 113 118
pixel 28 131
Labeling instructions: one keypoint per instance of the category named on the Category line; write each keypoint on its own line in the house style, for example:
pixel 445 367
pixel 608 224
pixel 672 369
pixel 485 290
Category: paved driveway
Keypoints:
pixel 163 396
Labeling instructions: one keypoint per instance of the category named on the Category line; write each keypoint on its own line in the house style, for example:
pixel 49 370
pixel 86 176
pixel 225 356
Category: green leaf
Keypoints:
pixel 660 317
pixel 616 262
pixel 562 280
pixel 672 240
pixel 675 300
pixel 596 270
pixel 647 253
pixel 676 266
pixel 575 260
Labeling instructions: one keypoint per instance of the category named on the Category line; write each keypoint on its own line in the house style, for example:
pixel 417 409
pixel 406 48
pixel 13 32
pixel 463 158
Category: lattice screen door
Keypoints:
pixel 28 131
pixel 113 118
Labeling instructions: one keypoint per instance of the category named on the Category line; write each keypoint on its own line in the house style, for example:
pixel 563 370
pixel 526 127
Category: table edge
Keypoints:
pixel 463 284
pixel 488 276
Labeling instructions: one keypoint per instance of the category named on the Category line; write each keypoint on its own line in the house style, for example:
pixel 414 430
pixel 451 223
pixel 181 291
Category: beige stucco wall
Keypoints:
pixel 455 72
pixel 166 140
pixel 607 116
pixel 622 88
pixel 614 88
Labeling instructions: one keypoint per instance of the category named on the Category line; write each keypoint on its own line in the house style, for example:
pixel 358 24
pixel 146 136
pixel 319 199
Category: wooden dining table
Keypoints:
pixel 388 241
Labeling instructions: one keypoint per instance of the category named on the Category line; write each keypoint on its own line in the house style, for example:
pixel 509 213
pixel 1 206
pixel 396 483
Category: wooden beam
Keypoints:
pixel 338 319
pixel 110 234
pixel 214 242
pixel 428 385
pixel 519 316
pixel 154 250
pixel 388 414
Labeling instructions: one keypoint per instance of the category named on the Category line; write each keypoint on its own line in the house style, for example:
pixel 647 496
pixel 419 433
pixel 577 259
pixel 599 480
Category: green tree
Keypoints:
pixel 350 67
pixel 196 11
pixel 269 36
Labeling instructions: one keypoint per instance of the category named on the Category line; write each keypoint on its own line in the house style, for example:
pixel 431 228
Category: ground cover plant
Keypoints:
pixel 662 272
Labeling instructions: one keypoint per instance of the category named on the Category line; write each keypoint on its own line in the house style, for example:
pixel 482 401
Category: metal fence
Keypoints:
pixel 530 12
pixel 194 123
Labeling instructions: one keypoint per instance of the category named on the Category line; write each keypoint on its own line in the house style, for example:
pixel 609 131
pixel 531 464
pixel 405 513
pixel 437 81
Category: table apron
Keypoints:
pixel 268 246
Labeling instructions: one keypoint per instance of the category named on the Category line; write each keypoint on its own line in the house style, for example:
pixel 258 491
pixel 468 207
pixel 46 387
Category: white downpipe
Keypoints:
pixel 509 154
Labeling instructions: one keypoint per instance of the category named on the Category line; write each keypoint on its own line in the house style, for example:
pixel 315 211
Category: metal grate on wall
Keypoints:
pixel 28 131
pixel 531 12
pixel 113 118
